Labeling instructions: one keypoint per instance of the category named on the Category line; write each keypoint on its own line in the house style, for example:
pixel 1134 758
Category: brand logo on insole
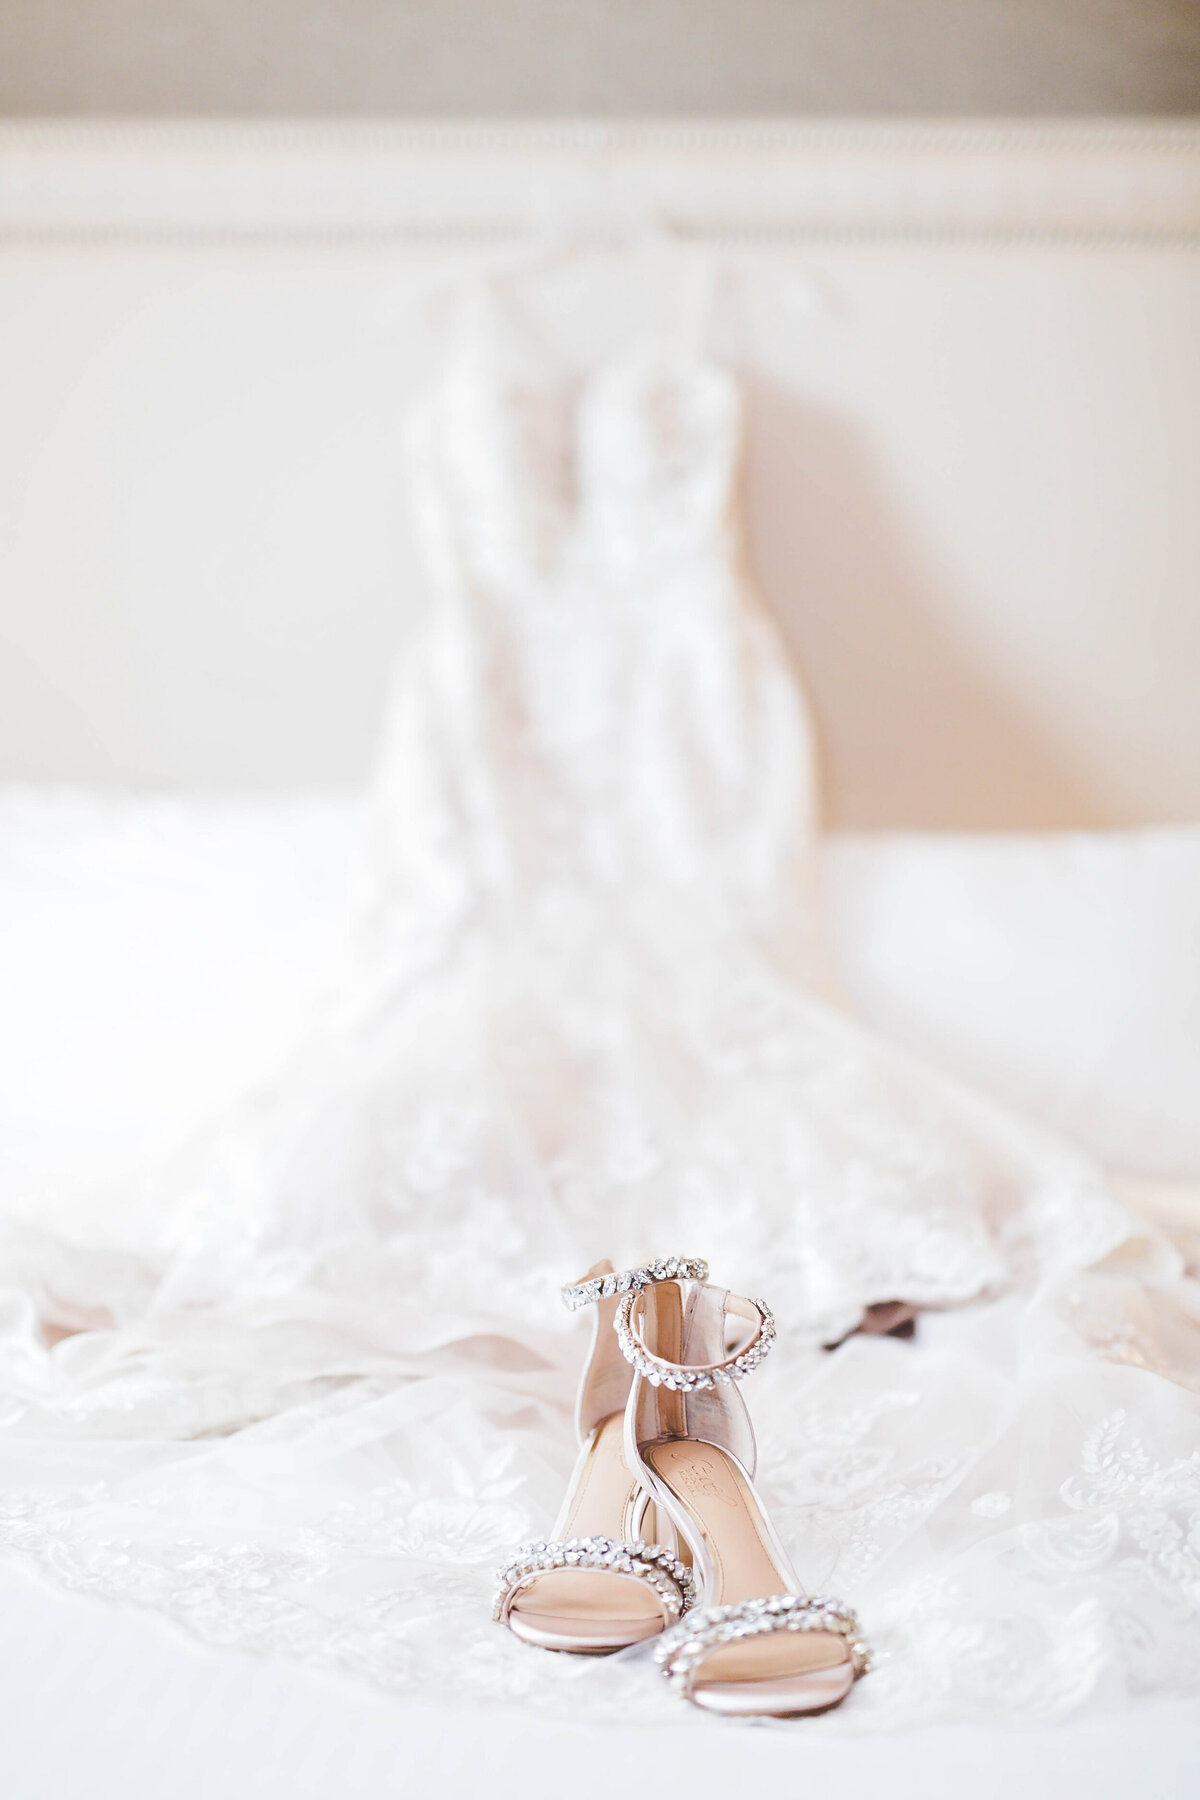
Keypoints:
pixel 699 1480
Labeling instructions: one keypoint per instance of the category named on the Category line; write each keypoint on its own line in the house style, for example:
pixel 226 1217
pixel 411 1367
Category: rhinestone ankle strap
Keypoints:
pixel 681 1649
pixel 672 1580
pixel 632 1281
pixel 690 1377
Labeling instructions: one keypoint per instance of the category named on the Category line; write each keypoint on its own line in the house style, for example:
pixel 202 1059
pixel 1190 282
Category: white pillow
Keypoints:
pixel 1061 973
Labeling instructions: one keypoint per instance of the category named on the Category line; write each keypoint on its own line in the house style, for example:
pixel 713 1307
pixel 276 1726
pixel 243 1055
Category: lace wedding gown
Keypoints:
pixel 304 1391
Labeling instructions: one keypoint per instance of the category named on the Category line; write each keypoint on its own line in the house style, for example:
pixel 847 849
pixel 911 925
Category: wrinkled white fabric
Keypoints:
pixel 303 1390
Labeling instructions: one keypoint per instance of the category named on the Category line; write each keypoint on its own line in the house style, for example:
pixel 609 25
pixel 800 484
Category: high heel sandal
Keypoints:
pixel 599 1584
pixel 756 1644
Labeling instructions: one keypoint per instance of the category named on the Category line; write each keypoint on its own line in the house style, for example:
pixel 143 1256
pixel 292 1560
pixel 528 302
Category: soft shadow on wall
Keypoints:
pixel 911 727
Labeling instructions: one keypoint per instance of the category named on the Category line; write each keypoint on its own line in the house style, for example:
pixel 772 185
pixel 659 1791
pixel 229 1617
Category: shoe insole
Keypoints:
pixel 712 1488
pixel 584 1606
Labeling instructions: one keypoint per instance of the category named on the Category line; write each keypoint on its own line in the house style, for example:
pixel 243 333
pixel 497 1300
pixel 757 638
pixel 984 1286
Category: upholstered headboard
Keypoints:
pixel 973 355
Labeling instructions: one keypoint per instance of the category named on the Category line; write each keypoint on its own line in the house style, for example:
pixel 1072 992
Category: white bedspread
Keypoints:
pixel 156 954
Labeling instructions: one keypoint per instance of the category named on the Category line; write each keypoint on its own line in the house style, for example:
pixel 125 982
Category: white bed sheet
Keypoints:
pixel 155 955
pixel 110 1705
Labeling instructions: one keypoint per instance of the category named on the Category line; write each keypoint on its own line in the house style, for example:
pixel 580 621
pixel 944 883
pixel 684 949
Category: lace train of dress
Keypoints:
pixel 304 1391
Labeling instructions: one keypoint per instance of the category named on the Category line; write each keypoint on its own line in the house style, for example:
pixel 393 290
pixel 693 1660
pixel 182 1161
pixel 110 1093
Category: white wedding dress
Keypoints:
pixel 303 1390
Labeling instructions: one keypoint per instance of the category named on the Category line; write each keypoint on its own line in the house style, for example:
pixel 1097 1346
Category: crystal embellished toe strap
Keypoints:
pixel 631 1281
pixel 681 1649
pixel 689 1377
pixel 658 1567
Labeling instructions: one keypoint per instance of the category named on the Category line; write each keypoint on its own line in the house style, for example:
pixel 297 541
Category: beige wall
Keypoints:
pixel 974 434
pixel 613 57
